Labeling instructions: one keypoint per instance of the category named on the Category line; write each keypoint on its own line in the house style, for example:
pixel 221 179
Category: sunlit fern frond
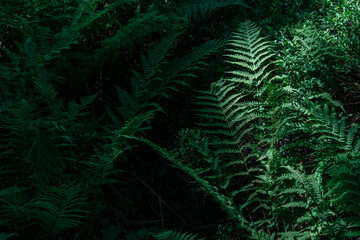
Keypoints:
pixel 250 54
pixel 226 115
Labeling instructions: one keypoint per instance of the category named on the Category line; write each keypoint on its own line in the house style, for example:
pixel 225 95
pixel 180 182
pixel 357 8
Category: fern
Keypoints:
pixel 131 127
pixel 232 116
pixel 76 110
pixel 60 208
pixel 227 116
pixel 194 9
pixel 171 235
pixel 156 56
pixel 137 28
pixel 343 192
pixel 263 148
pixel 254 125
pixel 250 53
pixel 15 207
pixel 6 236
pixel 305 193
pixel 222 199
pixel 160 76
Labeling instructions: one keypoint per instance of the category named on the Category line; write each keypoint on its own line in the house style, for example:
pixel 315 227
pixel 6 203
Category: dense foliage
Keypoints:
pixel 169 119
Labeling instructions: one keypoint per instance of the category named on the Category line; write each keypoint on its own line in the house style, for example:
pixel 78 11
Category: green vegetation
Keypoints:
pixel 169 119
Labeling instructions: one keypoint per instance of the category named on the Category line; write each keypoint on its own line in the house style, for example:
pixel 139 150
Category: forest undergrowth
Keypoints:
pixel 179 120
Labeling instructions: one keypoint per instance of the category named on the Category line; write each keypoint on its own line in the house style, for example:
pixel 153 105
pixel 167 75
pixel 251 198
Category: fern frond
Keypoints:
pixel 250 53
pixel 76 109
pixel 130 127
pixel 180 67
pixel 6 236
pixel 22 117
pixel 155 56
pixel 144 25
pixel 224 201
pixel 15 208
pixel 60 208
pixel 194 9
pixel 172 235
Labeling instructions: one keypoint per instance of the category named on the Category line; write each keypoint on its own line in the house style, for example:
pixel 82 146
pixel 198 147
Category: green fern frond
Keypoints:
pixel 15 208
pixel 250 53
pixel 22 117
pixel 138 27
pixel 309 185
pixel 43 84
pixel 172 235
pixel 223 200
pixel 60 208
pixel 194 9
pixel 77 109
pixel 130 127
pixel 6 236
pixel 254 125
pixel 225 117
pixel 193 60
pixel 161 76
pixel 155 56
